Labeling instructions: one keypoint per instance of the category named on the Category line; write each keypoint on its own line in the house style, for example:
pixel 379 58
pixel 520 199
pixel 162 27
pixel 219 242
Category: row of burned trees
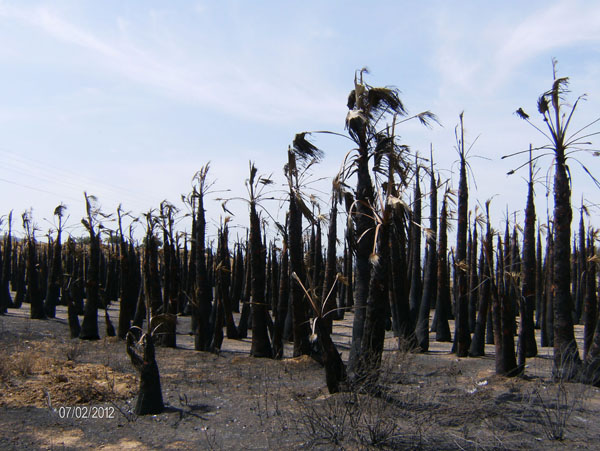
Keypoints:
pixel 290 289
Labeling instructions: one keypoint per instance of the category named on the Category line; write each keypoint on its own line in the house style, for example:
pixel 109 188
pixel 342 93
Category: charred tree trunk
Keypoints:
pixel 149 400
pixel 526 344
pixel 33 294
pixel 478 343
pixel 591 301
pixel 261 345
pixel 463 337
pixel 5 297
pixel 330 286
pixel 430 280
pixel 566 355
pixel 89 327
pixel 442 303
pixel 374 329
pixel 201 303
pixel 55 274
pixel 301 329
pixel 283 300
pixel 415 255
pixel 363 244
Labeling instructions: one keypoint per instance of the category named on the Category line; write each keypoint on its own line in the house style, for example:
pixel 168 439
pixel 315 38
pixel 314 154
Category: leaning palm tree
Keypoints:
pixel 561 145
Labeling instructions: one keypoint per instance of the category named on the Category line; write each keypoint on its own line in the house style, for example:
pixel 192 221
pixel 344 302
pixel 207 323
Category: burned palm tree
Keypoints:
pixel 281 312
pixel 367 106
pixel 256 269
pixel 5 298
pixel 222 307
pixel 329 285
pixel 430 277
pixel 170 296
pixel 261 345
pixel 591 300
pixel 557 116
pixel 302 154
pixel 477 347
pixel 202 292
pixel 527 346
pixel 33 294
pixel 55 274
pixel 128 289
pixel 89 327
pixel 442 303
pixel 462 333
pixel 390 159
pixel 149 399
pixel 335 370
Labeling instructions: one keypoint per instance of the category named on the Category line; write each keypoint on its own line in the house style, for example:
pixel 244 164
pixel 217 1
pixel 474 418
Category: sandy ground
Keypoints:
pixel 57 392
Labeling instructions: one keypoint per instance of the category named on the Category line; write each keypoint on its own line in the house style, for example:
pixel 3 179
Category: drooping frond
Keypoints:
pixel 351 99
pixel 60 210
pixel 253 171
pixel 426 118
pixel 304 150
pixel 385 99
pixel 559 87
pixel 543 104
pixel 522 114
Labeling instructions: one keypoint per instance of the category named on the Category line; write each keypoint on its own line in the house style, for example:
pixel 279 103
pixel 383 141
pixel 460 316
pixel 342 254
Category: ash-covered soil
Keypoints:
pixel 234 401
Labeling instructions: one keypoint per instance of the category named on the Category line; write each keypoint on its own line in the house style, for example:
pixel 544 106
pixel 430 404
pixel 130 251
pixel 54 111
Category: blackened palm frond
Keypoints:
pixel 522 114
pixel 426 118
pixel 559 87
pixel 60 210
pixel 253 171
pixel 224 207
pixel 351 99
pixel 543 104
pixel 384 147
pixel 304 209
pixel 383 143
pixel 384 99
pixel 265 181
pixel 348 200
pixel 304 149
pixel 356 123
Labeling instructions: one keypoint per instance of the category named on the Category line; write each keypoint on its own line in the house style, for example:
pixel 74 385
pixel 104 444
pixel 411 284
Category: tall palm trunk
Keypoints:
pixel 329 286
pixel 566 354
pixel 477 347
pixel 261 345
pixel 442 303
pixel 5 298
pixel 526 344
pixel 415 254
pixel 430 279
pixel 463 337
pixel 283 300
pixel 363 243
pixel 591 300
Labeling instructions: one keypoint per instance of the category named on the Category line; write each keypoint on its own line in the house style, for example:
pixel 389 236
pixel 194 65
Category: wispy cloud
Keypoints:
pixel 566 23
pixel 486 55
pixel 256 89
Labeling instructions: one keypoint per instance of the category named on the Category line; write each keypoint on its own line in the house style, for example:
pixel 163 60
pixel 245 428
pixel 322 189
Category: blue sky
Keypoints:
pixel 128 99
